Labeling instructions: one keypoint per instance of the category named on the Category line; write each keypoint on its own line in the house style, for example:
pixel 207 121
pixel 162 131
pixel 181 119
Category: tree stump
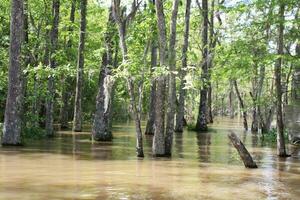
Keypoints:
pixel 243 152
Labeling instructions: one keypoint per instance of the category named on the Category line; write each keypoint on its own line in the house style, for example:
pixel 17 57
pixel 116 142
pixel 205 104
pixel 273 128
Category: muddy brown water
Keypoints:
pixel 203 166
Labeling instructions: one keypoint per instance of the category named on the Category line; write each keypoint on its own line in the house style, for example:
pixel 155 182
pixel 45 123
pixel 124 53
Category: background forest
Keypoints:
pixel 171 63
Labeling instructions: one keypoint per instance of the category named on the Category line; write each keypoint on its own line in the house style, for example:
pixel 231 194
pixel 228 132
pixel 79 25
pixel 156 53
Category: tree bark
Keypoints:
pixel 243 152
pixel 64 114
pixel 172 82
pixel 101 130
pixel 212 45
pixel 182 91
pixel 12 119
pixel 51 89
pixel 77 121
pixel 122 21
pixel 245 123
pixel 281 151
pixel 158 147
pixel 201 124
pixel 151 115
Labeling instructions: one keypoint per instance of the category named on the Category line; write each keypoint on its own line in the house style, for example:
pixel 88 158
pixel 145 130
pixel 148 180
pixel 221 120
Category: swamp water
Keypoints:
pixel 203 166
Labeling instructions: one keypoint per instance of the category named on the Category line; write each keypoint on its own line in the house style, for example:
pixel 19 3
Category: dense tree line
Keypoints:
pixel 172 63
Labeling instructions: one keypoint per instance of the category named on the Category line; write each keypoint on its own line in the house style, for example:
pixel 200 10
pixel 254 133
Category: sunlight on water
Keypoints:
pixel 203 166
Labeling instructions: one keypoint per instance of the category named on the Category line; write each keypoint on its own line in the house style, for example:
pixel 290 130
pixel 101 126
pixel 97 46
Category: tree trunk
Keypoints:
pixel 101 130
pixel 231 105
pixel 201 124
pixel 137 120
pixel 51 89
pixel 182 91
pixel 12 119
pixel 77 121
pixel 158 147
pixel 122 22
pixel 64 114
pixel 241 105
pixel 243 152
pixel 172 82
pixel 212 45
pixel 281 151
pixel 151 116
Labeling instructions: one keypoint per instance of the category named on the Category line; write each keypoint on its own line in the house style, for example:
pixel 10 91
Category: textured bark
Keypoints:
pixel 201 124
pixel 243 152
pixel 122 21
pixel 281 151
pixel 172 82
pixel 101 130
pixel 77 121
pixel 151 116
pixel 182 91
pixel 137 120
pixel 245 123
pixel 64 114
pixel 158 147
pixel 51 89
pixel 12 119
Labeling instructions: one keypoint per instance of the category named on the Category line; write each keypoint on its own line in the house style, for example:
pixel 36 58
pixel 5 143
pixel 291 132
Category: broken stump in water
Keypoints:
pixel 244 154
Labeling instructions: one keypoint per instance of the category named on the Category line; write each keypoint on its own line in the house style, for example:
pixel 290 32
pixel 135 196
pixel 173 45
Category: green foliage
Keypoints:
pixel 33 133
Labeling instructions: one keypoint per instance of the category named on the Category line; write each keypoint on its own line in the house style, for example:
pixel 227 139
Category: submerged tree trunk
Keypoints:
pixel 243 152
pixel 12 119
pixel 158 147
pixel 101 130
pixel 182 91
pixel 122 21
pixel 51 89
pixel 241 105
pixel 281 151
pixel 172 82
pixel 151 115
pixel 77 121
pixel 64 114
pixel 201 124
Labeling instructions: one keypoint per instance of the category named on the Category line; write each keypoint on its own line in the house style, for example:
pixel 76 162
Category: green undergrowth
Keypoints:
pixel 33 133
pixel 271 136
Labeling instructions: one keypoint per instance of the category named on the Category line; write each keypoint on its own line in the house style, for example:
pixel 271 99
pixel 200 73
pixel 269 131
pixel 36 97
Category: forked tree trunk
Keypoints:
pixel 172 82
pixel 242 106
pixel 122 21
pixel 201 124
pixel 51 89
pixel 243 152
pixel 12 119
pixel 77 121
pixel 182 91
